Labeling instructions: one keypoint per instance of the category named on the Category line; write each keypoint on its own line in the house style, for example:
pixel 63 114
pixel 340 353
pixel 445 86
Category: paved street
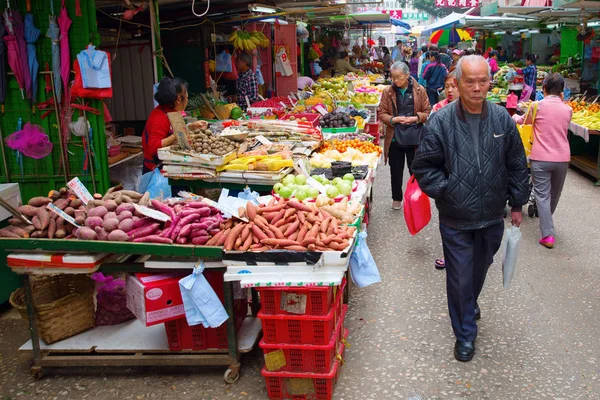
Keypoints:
pixel 540 339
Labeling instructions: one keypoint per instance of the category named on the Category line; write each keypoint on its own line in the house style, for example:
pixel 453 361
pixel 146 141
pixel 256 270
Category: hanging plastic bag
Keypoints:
pixel 233 75
pixel 79 91
pixel 223 62
pixel 417 207
pixel 512 101
pixel 363 268
pixel 111 300
pixel 201 303
pixel 526 94
pixel 259 77
pixel 80 128
pixel 32 141
pixel 510 254
pixel 156 184
pixel 282 62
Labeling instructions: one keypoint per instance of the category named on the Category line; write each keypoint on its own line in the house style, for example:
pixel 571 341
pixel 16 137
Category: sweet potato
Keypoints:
pixel 293 236
pixel 145 200
pixel 118 236
pixel 328 239
pixel 99 211
pixel 325 225
pixel 15 221
pixel 147 230
pixel 277 232
pixel 279 242
pixel 261 249
pixel 51 229
pixel 269 216
pixel 110 215
pixel 132 194
pixel 39 234
pixel 109 192
pixel 36 222
pixel 125 215
pixel 110 205
pixel 61 232
pixel 223 237
pixel 8 234
pixel 17 230
pixel 76 203
pixel 246 232
pixel 29 229
pixel 200 240
pixel 302 233
pixel 292 228
pixel 308 241
pixel 54 195
pixel 258 232
pixel 28 211
pixel 269 209
pixel 94 203
pixel 79 217
pixel 109 225
pixel 86 233
pixel 153 239
pixel 296 248
pixel 63 203
pixel 247 243
pixel 44 216
pixel 278 217
pixel 233 235
pixel 125 207
pixel 213 241
pixel 299 206
pixel 251 211
pixel 313 233
pixel 93 222
pixel 70 211
pixel 241 212
pixel 39 201
pixel 279 223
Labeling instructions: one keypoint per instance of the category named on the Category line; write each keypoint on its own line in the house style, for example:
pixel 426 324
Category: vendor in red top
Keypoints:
pixel 171 95
pixel 247 85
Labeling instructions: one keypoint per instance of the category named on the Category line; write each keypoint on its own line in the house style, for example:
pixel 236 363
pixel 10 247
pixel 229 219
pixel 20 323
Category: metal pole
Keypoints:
pixel 89 151
pixel 63 155
pixel 4 156
pixel 153 22
pixel 35 341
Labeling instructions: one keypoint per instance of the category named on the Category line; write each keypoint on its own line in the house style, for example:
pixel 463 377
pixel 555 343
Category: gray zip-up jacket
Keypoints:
pixel 471 196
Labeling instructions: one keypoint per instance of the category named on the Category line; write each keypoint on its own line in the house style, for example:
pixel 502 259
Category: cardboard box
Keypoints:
pixel 155 298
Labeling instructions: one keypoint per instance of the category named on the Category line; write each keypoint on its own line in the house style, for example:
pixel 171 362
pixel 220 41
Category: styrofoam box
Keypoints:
pixel 11 193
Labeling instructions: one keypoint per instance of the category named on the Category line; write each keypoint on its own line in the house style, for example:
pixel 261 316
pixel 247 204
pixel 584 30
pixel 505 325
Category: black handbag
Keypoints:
pixel 407 135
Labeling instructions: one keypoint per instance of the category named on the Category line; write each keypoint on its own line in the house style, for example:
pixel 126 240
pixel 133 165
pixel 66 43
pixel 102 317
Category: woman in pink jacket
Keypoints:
pixel 550 153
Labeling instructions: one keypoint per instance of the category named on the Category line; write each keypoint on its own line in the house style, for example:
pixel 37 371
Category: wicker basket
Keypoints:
pixel 64 305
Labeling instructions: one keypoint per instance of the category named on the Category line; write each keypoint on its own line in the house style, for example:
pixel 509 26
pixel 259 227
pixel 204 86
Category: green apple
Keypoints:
pixel 300 179
pixel 301 195
pixel 336 180
pixel 325 181
pixel 349 177
pixel 345 188
pixel 285 192
pixel 277 187
pixel 332 191
pixel 312 192
pixel 289 179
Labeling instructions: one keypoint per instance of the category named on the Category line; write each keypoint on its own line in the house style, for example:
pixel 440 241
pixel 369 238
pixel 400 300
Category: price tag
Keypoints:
pixel 321 110
pixel 291 100
pixel 282 104
pixel 264 140
pixel 313 182
pixel 62 214
pixel 224 209
pixel 148 212
pixel 80 190
pixel 260 97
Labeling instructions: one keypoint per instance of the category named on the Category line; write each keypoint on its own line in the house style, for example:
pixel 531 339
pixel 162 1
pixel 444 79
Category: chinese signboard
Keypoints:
pixel 457 3
pixel 396 14
pixel 416 16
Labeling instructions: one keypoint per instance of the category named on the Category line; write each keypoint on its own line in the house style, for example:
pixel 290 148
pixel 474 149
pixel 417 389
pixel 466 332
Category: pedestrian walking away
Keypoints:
pixel 435 75
pixel 403 110
pixel 550 152
pixel 471 160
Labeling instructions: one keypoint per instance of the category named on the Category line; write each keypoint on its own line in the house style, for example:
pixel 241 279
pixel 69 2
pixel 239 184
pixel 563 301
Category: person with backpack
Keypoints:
pixel 435 76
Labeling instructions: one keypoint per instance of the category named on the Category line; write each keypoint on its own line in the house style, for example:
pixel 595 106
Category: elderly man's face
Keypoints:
pixel 474 83
pixel 399 78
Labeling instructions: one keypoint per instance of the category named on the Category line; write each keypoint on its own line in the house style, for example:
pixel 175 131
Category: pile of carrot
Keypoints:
pixel 286 225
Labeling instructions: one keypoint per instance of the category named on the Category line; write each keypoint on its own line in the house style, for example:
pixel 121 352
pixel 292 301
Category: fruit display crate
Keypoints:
pixel 302 329
pixel 295 301
pixel 351 129
pixel 304 386
pixel 304 358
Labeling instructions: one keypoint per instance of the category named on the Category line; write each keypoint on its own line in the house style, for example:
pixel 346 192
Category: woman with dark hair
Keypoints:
pixel 529 73
pixel 493 61
pixel 342 65
pixel 550 153
pixel 172 96
pixel 435 75
pixel 387 62
pixel 413 65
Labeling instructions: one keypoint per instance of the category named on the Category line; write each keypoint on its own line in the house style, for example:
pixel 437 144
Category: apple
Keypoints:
pixel 313 193
pixel 300 179
pixel 288 180
pixel 336 180
pixel 348 177
pixel 332 191
pixel 301 195
pixel 325 181
pixel 277 187
pixel 285 192
pixel 345 188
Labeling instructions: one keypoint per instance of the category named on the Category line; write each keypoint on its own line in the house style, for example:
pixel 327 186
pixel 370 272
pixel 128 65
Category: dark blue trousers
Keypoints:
pixel 468 256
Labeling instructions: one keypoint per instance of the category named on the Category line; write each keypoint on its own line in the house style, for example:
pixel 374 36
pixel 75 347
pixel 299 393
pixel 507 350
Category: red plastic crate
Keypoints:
pixel 181 336
pixel 302 329
pixel 299 386
pixel 318 300
pixel 308 358
pixel 373 130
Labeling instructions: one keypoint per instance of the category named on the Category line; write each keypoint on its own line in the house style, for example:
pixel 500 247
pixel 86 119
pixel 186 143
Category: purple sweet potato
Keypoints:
pixel 144 231
pixel 85 233
pixel 153 239
pixel 125 215
pixel 102 234
pixel 110 205
pixel 200 240
pixel 111 224
pixel 99 211
pixel 125 207
pixel 118 236
pixel 110 214
pixel 140 223
pixel 157 205
pixel 126 225
pixel 93 222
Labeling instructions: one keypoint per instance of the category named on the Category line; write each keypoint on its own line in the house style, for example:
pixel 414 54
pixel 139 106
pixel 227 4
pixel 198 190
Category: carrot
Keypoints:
pixel 258 233
pixel 278 217
pixel 296 248
pixel 277 232
pixel 233 235
pixel 289 212
pixel 301 217
pixel 278 207
pixel 223 237
pixel 251 211
pixel 299 206
pixel 292 228
pixel 280 242
pixel 302 233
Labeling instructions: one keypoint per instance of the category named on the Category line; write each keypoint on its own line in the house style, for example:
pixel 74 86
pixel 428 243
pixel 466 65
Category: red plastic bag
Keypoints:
pixel 417 208
pixel 79 91
pixel 233 75
pixel 111 300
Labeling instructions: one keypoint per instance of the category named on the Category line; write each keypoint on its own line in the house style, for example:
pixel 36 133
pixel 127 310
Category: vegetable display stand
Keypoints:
pixel 131 343
pixel 585 154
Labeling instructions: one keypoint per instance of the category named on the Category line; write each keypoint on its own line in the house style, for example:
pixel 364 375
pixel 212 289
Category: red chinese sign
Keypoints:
pixel 457 3
pixel 396 14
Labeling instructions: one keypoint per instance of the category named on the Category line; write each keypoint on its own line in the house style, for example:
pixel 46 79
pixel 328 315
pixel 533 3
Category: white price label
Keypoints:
pixel 223 209
pixel 264 140
pixel 80 190
pixel 321 110
pixel 62 214
pixel 282 104
pixel 313 182
pixel 148 212
pixel 291 100
pixel 260 97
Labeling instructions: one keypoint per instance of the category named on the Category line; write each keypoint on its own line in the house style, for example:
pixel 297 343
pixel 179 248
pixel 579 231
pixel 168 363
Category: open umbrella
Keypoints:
pixel 32 34
pixel 19 29
pixel 2 65
pixel 53 33
pixel 12 50
pixel 65 55
pixel 445 36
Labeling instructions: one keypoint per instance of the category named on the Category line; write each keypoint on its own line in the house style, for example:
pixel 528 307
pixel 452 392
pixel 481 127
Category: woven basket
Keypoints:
pixel 64 305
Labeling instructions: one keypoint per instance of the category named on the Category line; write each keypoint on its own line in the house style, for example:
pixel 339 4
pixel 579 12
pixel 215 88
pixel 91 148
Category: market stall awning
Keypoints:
pixel 453 20
pixel 371 17
pixel 502 22
pixel 400 24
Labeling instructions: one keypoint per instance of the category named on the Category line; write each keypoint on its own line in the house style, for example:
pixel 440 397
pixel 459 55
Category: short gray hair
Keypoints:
pixel 400 66
pixel 245 57
pixel 469 60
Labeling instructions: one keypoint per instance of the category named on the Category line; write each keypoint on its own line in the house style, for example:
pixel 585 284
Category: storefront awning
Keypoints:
pixel 453 20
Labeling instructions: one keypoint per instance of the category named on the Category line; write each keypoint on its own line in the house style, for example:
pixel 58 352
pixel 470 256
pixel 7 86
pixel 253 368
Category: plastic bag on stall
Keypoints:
pixel 511 252
pixel 363 268
pixel 526 94
pixel 201 303
pixel 111 300
pixel 417 207
pixel 156 184
pixel 223 62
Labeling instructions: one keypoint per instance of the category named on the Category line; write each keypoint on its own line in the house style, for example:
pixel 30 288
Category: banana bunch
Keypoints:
pixel 243 40
pixel 587 119
pixel 262 39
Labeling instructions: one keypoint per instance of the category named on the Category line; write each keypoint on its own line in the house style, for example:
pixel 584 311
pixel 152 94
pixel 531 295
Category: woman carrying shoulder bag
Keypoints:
pixel 550 153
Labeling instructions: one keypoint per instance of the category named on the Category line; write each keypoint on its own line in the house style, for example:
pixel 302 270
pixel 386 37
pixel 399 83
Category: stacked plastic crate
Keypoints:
pixel 304 340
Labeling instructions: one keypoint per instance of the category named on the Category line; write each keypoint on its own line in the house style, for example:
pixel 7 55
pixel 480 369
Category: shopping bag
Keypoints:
pixel 223 62
pixel 363 269
pixel 510 254
pixel 417 207
pixel 512 101
pixel 526 93
pixel 526 130
pixel 79 91
pixel 156 184
pixel 233 75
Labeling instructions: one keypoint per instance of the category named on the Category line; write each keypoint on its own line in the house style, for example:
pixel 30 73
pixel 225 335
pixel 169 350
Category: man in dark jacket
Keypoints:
pixel 471 161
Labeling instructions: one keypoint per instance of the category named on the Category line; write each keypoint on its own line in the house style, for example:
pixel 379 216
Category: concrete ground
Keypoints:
pixel 540 339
